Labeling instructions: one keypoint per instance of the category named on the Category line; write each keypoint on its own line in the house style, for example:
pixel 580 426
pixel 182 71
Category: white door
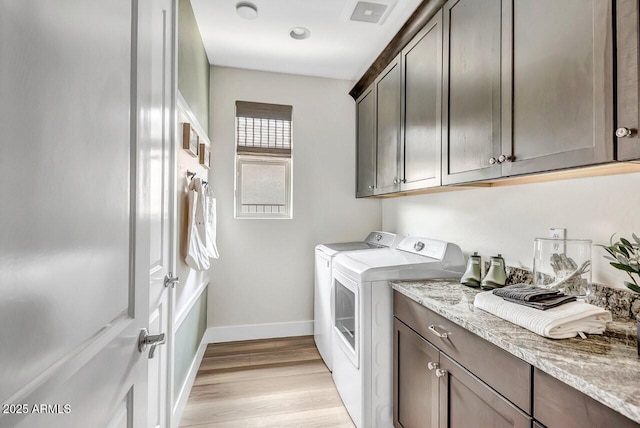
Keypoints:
pixel 161 261
pixel 74 213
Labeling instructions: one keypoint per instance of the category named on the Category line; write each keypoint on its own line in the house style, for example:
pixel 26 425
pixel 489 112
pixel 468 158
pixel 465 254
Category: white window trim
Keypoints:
pixel 259 160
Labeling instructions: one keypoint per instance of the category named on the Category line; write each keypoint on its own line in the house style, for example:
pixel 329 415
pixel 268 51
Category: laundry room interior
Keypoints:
pixel 337 213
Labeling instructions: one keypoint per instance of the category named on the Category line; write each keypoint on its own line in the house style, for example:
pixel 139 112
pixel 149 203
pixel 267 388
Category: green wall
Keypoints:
pixel 193 65
pixel 187 340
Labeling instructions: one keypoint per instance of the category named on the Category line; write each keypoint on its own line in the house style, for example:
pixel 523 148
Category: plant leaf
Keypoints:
pixel 623 250
pixel 623 267
pixel 635 238
pixel 611 239
pixel 610 258
pixel 622 259
pixel 626 243
pixel 632 286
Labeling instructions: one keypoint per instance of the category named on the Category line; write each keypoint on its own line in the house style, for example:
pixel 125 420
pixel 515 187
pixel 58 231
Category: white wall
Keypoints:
pixel 507 219
pixel 265 270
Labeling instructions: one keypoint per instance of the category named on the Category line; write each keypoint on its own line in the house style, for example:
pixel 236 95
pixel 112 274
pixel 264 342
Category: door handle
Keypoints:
pixel 170 280
pixel 145 339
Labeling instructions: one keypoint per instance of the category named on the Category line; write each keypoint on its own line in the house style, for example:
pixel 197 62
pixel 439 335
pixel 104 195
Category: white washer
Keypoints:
pixel 323 287
pixel 363 319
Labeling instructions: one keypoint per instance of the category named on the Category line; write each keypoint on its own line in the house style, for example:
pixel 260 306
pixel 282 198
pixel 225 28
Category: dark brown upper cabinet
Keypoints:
pixel 471 118
pixel 388 90
pixel 558 84
pixel 366 143
pixel 421 148
pixel 628 75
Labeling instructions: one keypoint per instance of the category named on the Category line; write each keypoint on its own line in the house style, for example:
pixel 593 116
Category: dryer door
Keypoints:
pixel 346 320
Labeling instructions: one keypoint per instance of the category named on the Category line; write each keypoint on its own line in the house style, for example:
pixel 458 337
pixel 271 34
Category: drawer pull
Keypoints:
pixel 432 329
pixel 441 372
pixel 431 365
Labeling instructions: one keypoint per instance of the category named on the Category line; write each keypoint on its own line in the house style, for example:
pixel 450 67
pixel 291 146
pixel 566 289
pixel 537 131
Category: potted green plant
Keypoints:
pixel 625 256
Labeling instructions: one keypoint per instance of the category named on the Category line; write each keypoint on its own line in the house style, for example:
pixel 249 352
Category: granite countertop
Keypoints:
pixel 603 367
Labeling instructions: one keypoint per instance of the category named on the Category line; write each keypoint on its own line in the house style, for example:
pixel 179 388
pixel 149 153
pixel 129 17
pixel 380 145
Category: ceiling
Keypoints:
pixel 338 47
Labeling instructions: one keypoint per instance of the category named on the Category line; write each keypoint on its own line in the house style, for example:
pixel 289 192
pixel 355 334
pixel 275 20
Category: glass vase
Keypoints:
pixel 562 264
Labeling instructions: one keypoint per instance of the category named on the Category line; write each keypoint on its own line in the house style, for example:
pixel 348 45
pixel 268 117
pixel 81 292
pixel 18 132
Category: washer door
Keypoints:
pixel 346 320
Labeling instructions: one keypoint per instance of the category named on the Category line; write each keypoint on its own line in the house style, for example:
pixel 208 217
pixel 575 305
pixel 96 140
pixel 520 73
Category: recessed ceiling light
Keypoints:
pixel 247 10
pixel 299 33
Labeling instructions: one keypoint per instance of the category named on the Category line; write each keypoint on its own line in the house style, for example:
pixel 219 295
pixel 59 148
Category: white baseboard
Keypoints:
pixel 185 390
pixel 235 333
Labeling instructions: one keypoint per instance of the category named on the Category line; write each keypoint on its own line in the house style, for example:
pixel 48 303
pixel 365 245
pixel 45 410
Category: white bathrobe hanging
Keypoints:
pixel 197 251
pixel 210 212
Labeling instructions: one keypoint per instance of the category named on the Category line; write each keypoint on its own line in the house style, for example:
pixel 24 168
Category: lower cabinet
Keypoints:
pixel 452 381
pixel 466 401
pixel 431 390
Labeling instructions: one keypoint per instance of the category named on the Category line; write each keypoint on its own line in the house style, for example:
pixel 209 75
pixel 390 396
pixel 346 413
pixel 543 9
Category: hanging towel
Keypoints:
pixel 562 322
pixel 211 216
pixel 197 252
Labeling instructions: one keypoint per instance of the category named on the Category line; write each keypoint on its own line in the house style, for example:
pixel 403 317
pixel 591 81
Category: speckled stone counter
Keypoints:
pixel 604 368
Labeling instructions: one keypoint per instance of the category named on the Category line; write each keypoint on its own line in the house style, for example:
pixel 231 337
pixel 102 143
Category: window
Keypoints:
pixel 263 160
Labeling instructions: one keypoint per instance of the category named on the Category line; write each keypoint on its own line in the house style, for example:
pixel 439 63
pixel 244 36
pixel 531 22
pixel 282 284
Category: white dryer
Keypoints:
pixel 363 319
pixel 323 287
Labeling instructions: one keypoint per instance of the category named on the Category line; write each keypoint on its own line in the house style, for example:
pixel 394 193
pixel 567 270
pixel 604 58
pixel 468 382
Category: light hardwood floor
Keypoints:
pixel 264 383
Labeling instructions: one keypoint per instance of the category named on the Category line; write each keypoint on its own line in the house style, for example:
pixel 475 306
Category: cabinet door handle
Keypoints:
pixel 441 372
pixel 432 365
pixel 503 158
pixel 432 329
pixel 492 161
pixel 370 187
pixel 623 132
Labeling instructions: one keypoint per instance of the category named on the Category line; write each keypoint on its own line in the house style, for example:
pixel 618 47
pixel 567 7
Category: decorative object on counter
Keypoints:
pixel 190 139
pixel 562 322
pixel 562 264
pixel 533 297
pixel 473 273
pixel 497 275
pixel 625 256
pixel 205 156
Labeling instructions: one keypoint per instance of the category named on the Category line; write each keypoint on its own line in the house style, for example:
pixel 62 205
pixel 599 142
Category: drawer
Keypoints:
pixel 508 375
pixel 557 405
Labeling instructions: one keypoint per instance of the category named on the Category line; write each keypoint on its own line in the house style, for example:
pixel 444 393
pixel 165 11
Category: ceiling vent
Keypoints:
pixel 368 12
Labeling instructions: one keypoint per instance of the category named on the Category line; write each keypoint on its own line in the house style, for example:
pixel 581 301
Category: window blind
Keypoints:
pixel 263 129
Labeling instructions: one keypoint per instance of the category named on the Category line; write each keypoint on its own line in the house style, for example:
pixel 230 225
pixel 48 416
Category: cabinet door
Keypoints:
pixel 420 157
pixel 415 385
pixel 558 405
pixel 366 143
pixel 562 84
pixel 467 402
pixel 388 90
pixel 628 95
pixel 472 98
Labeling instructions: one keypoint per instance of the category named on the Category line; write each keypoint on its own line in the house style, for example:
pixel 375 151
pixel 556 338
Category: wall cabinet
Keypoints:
pixel 484 94
pixel 445 376
pixel 421 145
pixel 366 143
pixel 628 76
pixel 472 104
pixel 388 91
pixel 557 85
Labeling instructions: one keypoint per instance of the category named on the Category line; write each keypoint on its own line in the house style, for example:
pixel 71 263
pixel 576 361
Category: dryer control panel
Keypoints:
pixel 425 247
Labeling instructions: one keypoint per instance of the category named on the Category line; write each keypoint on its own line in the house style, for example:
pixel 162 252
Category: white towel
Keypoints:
pixel 197 252
pixel 212 247
pixel 561 322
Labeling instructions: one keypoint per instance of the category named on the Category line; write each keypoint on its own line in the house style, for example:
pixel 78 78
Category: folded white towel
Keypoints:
pixel 561 322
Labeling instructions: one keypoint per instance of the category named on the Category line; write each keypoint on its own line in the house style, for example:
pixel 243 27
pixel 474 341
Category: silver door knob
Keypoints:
pixel 441 372
pixel 492 161
pixel 145 339
pixel 503 158
pixel 396 181
pixel 370 187
pixel 432 366
pixel 170 280
pixel 623 132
